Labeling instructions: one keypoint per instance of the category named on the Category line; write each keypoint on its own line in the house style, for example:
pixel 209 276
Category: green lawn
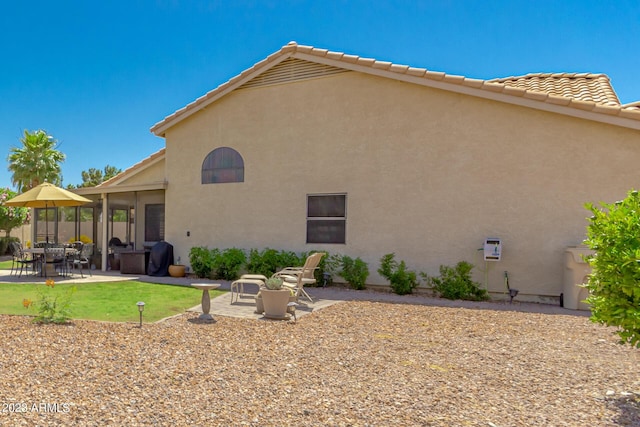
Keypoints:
pixel 111 301
pixel 5 265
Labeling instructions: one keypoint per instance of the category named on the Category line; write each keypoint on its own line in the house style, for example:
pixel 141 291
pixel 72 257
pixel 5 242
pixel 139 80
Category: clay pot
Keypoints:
pixel 176 270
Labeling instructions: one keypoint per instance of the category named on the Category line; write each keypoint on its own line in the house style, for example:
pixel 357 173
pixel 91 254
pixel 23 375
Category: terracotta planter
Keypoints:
pixel 176 270
pixel 275 303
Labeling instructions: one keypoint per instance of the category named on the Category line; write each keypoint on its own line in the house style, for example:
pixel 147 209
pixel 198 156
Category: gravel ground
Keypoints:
pixel 351 364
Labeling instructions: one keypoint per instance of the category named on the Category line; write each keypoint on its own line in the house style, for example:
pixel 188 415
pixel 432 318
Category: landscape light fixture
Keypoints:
pixel 327 277
pixel 140 305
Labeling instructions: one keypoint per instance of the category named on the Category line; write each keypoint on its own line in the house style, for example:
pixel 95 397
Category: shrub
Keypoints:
pixel 202 261
pixel 264 262
pixel 614 284
pixel 332 265
pixel 83 238
pixel 354 271
pixel 402 281
pixel 4 244
pixel 11 217
pixel 269 261
pixel 227 264
pixel 52 307
pixel 290 259
pixel 456 283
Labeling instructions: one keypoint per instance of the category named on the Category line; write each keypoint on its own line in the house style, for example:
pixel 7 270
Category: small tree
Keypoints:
pixel 614 285
pixel 11 217
pixel 93 176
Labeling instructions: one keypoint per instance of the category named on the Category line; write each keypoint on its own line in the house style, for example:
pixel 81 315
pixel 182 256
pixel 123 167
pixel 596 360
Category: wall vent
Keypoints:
pixel 291 70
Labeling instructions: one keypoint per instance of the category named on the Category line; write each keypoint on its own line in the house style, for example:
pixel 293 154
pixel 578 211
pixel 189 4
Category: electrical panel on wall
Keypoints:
pixel 492 249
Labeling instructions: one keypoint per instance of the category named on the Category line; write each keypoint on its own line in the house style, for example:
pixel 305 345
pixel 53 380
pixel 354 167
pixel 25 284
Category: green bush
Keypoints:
pixel 227 263
pixel 202 261
pixel 354 271
pixel 270 260
pixel 332 265
pixel 264 262
pixel 402 281
pixel 4 244
pixel 614 284
pixel 290 259
pixel 456 283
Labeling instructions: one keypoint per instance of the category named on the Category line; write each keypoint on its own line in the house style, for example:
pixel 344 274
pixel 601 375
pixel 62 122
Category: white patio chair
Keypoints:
pixel 296 278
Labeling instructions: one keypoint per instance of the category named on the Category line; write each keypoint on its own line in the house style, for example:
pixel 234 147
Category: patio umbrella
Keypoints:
pixel 46 196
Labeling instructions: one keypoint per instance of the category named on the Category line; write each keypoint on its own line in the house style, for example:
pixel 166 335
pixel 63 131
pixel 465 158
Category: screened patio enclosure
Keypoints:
pixel 109 216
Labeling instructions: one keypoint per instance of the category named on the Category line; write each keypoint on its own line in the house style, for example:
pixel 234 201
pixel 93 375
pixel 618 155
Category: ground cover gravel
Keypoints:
pixel 352 364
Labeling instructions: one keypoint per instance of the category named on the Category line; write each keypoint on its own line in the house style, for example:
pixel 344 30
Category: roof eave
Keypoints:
pixel 161 185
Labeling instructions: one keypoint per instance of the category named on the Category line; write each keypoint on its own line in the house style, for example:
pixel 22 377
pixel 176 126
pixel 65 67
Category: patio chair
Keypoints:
pixel 296 278
pixel 83 257
pixel 19 259
pixel 15 258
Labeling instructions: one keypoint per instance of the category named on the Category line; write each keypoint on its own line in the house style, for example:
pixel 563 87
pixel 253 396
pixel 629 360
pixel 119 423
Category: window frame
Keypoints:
pixel 334 221
pixel 221 174
pixel 160 221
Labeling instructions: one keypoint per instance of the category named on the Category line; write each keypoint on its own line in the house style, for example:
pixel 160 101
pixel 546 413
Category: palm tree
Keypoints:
pixel 36 161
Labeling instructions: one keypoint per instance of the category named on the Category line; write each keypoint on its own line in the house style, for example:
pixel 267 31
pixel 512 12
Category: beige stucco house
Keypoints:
pixel 313 149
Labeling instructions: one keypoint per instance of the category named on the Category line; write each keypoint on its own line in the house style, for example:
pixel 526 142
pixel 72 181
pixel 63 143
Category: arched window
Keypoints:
pixel 223 164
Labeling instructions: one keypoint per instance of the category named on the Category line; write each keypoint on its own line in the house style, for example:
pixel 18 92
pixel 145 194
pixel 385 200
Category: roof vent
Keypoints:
pixel 291 70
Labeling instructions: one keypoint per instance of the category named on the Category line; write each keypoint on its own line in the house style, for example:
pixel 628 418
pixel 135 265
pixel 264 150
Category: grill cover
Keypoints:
pixel 160 258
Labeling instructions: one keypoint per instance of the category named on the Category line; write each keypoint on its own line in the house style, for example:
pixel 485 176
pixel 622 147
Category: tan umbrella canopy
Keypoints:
pixel 46 196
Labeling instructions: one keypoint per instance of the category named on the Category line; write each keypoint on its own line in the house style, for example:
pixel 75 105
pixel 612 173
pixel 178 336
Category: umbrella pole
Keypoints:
pixel 46 223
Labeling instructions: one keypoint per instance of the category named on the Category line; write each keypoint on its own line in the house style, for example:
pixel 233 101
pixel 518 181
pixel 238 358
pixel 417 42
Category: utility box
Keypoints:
pixel 576 273
pixel 492 249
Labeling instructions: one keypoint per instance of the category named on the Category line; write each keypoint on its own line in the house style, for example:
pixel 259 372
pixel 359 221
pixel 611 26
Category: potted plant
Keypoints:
pixel 275 299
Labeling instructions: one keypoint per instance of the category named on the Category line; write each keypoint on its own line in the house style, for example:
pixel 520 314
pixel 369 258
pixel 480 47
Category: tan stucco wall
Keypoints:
pixel 151 174
pixel 23 232
pixel 428 175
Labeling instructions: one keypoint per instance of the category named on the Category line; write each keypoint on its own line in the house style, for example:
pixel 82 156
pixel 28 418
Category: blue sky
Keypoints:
pixel 98 75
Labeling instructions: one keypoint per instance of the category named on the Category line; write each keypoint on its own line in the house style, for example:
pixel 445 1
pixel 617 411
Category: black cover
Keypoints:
pixel 160 258
pixel 115 241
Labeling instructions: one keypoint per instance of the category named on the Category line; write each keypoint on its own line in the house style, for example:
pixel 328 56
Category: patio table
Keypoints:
pixel 47 269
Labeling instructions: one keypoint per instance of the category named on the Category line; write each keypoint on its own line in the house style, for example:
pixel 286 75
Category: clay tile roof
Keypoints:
pixel 583 87
pixel 632 106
